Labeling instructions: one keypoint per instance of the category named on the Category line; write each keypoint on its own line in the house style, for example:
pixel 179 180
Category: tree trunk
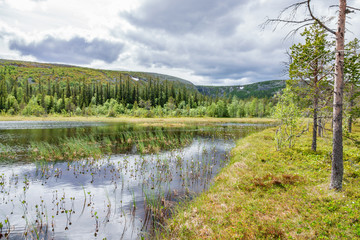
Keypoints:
pixel 337 168
pixel 351 105
pixel 315 124
pixel 320 127
pixel 350 118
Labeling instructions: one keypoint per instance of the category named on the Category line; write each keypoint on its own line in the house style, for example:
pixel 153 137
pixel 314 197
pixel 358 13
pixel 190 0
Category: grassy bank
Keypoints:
pixel 169 120
pixel 269 194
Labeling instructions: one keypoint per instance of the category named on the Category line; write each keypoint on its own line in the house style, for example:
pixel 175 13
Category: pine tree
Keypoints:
pixel 352 77
pixel 310 71
pixel 68 91
pixel 3 91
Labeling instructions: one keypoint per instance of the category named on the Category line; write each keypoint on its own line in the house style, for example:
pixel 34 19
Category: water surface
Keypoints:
pixel 122 196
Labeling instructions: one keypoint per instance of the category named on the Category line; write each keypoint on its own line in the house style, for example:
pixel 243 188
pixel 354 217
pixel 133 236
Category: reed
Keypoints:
pixel 68 149
pixel 7 153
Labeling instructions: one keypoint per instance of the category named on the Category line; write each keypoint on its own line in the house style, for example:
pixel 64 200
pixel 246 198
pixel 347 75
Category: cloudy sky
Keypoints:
pixel 209 42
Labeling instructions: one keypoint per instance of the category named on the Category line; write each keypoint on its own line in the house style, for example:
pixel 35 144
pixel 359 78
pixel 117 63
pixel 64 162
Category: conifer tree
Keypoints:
pixel 310 71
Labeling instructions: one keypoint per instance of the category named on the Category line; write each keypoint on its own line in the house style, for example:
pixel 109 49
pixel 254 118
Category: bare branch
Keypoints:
pixel 294 10
pixel 270 21
pixel 291 18
pixel 294 31
pixel 294 6
pixel 318 20
pixel 356 9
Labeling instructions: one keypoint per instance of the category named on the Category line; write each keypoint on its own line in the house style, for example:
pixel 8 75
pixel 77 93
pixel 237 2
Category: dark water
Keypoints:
pixel 122 196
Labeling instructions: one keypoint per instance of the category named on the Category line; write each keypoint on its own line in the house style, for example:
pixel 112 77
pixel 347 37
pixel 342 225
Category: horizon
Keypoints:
pixel 130 71
pixel 206 42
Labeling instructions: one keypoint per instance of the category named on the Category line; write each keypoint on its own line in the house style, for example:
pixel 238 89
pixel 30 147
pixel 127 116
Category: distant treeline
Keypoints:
pixel 121 95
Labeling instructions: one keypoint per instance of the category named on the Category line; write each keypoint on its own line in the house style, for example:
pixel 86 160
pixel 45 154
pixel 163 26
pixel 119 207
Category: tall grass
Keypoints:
pixel 151 142
pixel 269 194
pixel 68 149
pixel 90 147
pixel 7 153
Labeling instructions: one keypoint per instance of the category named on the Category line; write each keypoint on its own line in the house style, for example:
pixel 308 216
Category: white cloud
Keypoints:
pixel 205 41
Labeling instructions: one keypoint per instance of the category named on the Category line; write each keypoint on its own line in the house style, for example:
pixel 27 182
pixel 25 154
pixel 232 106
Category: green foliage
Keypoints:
pixel 221 109
pixel 3 91
pixel 211 110
pixel 352 62
pixel 310 59
pixel 352 78
pixel 288 112
pixel 311 72
pixel 12 104
pixel 33 108
pixel 233 108
pixel 38 89
pixel 266 89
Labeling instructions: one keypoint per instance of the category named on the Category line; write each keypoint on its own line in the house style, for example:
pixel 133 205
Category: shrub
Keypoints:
pixel 33 108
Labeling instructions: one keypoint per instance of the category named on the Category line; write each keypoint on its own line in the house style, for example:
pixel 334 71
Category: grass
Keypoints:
pixel 151 142
pixel 87 147
pixel 168 121
pixel 7 153
pixel 269 194
pixel 68 149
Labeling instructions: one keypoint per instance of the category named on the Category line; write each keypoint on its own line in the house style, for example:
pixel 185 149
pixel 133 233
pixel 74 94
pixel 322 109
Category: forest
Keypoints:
pixel 42 89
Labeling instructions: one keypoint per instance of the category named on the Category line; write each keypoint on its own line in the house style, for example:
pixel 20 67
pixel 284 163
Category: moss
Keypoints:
pixel 269 194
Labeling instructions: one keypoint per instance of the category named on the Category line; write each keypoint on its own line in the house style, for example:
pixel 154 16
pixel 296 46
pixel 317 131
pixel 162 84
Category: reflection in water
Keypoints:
pixel 123 196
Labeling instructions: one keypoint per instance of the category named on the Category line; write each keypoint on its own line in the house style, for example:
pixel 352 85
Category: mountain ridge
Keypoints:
pixel 259 89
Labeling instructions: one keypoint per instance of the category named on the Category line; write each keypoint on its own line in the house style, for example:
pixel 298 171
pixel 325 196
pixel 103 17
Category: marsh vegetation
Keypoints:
pixel 105 180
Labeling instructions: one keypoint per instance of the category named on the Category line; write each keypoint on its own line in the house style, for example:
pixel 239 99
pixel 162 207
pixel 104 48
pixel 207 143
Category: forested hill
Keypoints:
pixel 265 89
pixel 167 77
pixel 31 88
pixel 33 71
pixel 59 72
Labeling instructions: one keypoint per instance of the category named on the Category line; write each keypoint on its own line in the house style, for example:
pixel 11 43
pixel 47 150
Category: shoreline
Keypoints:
pixel 128 119
pixel 269 194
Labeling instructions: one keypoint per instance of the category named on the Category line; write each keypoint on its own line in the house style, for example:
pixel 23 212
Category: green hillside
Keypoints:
pixel 34 71
pixel 163 77
pixel 30 88
pixel 265 89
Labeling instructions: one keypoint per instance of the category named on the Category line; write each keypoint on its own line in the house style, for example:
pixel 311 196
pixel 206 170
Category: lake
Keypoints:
pixel 86 180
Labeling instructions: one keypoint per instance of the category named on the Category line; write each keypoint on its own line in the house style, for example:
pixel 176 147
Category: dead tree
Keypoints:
pixel 337 168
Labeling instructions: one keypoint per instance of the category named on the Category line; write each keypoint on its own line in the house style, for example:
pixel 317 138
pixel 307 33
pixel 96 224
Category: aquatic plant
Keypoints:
pixel 141 185
pixel 7 153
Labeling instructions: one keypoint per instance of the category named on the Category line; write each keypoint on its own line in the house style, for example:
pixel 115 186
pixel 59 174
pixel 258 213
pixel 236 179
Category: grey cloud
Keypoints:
pixel 155 42
pixel 247 67
pixel 218 65
pixel 241 56
pixel 187 16
pixel 77 50
pixel 208 37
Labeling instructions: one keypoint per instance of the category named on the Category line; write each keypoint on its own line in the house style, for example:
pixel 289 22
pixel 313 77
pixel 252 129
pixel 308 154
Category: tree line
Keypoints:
pixel 21 94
